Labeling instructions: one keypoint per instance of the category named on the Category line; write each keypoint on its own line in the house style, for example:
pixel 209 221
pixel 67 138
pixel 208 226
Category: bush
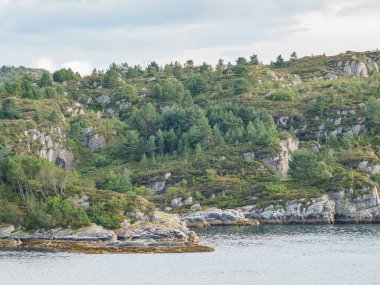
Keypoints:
pixel 283 95
pixel 10 213
pixel 306 169
pixel 240 86
pixel 109 215
pixel 64 75
pixel 196 84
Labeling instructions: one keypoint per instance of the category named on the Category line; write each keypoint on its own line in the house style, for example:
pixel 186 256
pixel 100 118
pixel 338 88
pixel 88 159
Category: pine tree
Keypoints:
pixel 160 141
pixel 254 60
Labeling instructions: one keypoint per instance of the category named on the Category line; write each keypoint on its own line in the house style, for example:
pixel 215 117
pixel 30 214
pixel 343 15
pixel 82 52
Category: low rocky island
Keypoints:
pixel 157 233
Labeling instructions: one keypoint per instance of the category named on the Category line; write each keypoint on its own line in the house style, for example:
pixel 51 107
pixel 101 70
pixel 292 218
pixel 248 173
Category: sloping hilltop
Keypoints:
pixel 294 141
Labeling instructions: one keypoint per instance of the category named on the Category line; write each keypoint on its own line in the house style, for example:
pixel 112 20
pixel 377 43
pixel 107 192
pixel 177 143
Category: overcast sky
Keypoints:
pixel 84 34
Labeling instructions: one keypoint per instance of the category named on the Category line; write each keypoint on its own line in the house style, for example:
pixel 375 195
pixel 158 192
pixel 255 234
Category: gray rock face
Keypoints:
pixel 249 155
pixel 280 163
pixel 334 207
pixel 5 232
pixel 51 146
pixel 123 104
pixel 75 110
pixel 159 184
pixel 155 228
pixel 179 202
pixel 196 207
pixel 214 216
pixel 103 99
pixel 296 79
pixel 159 226
pixel 369 167
pixel 361 68
pixel 176 202
pixel 93 233
pixel 92 140
pixel 365 207
pixel 272 75
pixel 318 210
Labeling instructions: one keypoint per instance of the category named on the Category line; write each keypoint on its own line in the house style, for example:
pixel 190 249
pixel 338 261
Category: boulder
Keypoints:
pixel 103 99
pixel 159 183
pixel 188 201
pixel 176 202
pixel 249 155
pixel 196 207
pixel 92 140
pixel 6 231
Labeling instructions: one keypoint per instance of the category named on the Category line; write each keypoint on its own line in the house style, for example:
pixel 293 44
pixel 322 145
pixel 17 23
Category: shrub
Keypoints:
pixel 240 86
pixel 283 95
pixel 306 169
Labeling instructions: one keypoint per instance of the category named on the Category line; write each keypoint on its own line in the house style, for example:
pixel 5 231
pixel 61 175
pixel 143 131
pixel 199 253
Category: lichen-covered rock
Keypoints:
pixel 6 231
pixel 341 206
pixel 369 167
pixel 196 207
pixel 249 155
pixel 363 207
pixel 361 68
pixel 280 163
pixel 93 140
pixel 158 226
pixel 51 146
pixel 75 110
pixel 320 210
pixel 176 202
pixel 217 217
pixel 159 184
pixel 103 99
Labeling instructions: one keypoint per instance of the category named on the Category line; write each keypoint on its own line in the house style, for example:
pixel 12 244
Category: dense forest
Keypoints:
pixel 79 149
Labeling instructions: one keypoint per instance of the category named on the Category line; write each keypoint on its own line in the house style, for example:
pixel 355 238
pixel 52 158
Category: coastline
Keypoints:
pixel 94 248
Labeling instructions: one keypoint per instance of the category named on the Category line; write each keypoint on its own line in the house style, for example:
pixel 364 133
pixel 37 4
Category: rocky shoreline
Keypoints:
pixel 156 233
pixel 344 206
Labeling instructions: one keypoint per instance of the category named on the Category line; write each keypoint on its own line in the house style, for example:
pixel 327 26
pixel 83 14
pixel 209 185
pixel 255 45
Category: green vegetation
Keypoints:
pixel 210 133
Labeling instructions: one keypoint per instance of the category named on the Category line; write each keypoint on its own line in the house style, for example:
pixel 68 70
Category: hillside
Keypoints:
pixel 179 135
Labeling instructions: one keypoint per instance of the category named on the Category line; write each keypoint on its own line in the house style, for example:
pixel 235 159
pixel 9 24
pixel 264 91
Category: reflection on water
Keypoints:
pixel 294 254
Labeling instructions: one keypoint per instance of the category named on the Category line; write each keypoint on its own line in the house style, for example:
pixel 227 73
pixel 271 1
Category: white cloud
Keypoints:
pixel 83 67
pixel 99 32
pixel 4 2
pixel 45 63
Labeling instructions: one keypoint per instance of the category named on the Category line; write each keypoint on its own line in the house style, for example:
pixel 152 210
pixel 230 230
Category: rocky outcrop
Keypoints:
pixel 319 210
pixel 370 167
pixel 359 67
pixel 280 163
pixel 147 233
pixel 50 145
pixel 180 201
pixel 362 205
pixel 341 206
pixel 75 110
pixel 92 140
pixel 358 207
pixel 217 217
pixel 159 184
pixel 103 99
pixel 158 226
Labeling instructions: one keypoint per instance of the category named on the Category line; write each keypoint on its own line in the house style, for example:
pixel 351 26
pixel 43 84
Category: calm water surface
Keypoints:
pixel 341 254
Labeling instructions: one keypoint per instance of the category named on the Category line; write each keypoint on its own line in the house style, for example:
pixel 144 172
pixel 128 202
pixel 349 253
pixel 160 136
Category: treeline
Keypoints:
pixel 181 130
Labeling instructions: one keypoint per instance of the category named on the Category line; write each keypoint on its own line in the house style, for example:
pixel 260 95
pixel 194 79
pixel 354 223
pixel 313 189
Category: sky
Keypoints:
pixel 84 34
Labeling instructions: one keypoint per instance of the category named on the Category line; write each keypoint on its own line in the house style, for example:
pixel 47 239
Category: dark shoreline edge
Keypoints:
pixel 284 223
pixel 88 248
